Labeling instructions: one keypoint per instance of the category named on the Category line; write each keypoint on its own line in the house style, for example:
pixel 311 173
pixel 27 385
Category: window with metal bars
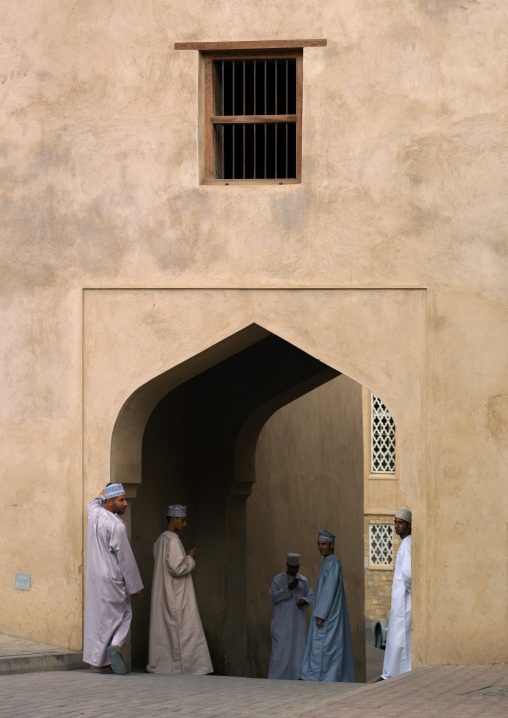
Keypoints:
pixel 253 116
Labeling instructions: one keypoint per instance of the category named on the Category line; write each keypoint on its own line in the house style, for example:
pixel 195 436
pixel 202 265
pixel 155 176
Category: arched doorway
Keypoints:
pixel 139 345
pixel 199 448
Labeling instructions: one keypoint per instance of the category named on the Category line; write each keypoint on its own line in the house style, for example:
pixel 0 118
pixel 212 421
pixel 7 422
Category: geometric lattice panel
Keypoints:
pixel 383 438
pixel 381 544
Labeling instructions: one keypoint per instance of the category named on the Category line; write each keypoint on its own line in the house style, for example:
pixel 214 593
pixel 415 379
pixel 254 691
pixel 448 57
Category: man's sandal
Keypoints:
pixel 117 663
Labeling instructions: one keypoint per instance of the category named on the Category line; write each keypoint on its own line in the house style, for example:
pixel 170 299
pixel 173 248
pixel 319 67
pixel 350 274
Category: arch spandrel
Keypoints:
pixel 139 344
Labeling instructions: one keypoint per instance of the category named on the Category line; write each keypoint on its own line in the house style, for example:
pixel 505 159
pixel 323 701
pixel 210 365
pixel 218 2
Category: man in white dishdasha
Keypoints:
pixel 111 575
pixel 398 641
pixel 291 594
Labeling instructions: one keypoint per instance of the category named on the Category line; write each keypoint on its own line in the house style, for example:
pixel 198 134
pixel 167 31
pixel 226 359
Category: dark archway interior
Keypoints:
pixel 198 449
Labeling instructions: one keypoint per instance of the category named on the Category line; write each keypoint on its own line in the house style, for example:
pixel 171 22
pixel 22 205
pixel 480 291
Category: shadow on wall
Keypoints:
pixel 309 476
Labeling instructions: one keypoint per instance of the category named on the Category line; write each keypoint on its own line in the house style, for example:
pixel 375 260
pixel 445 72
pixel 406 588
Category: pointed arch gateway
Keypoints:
pixel 198 448
pixel 192 429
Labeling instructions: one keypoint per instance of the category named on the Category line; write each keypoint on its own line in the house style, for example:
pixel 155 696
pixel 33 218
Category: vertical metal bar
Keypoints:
pixel 287 86
pixel 222 152
pixel 264 112
pixel 222 128
pixel 265 150
pixel 276 135
pixel 287 113
pixel 234 133
pixel 286 149
pixel 265 83
pixel 255 133
pixel 276 86
pixel 233 87
pixel 255 126
pixel 223 88
pixel 276 126
pixel 243 107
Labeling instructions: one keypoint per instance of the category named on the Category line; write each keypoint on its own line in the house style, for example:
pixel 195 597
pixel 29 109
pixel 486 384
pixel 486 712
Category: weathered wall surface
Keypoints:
pixel 404 184
pixel 309 476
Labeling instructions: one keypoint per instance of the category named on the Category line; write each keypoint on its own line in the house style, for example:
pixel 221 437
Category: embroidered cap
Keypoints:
pixel 177 510
pixel 114 490
pixel 326 536
pixel 293 559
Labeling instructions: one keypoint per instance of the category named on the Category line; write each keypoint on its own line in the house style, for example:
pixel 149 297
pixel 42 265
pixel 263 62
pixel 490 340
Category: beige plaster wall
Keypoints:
pixel 308 476
pixel 404 185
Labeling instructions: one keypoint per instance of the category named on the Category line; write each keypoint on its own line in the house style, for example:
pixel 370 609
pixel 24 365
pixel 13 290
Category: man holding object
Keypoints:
pixel 291 595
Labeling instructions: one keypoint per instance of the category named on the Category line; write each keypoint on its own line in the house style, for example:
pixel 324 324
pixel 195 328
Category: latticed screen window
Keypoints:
pixel 253 116
pixel 381 544
pixel 383 438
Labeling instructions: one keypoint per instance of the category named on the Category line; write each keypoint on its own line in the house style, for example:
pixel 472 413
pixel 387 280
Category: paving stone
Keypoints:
pixel 430 693
pixel 22 655
pixel 446 691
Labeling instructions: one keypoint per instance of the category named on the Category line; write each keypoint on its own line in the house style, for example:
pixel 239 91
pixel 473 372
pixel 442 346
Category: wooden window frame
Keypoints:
pixel 248 50
pixel 212 120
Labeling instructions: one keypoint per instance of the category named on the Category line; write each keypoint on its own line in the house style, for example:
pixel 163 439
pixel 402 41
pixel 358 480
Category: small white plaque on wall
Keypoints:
pixel 23 581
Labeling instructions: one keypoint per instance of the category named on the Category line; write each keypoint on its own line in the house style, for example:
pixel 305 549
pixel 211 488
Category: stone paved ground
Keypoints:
pixel 14 647
pixel 449 691
pixel 22 655
pixel 142 695
pixel 374 660
pixel 444 691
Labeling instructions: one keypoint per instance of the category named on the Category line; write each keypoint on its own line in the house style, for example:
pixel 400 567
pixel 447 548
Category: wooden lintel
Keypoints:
pixel 250 45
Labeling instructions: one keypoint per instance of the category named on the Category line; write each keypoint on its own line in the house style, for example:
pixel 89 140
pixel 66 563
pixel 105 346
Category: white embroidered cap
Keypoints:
pixel 293 559
pixel 177 510
pixel 114 490
pixel 326 536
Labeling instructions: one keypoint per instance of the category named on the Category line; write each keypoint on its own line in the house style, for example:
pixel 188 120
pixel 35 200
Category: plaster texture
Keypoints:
pixel 387 263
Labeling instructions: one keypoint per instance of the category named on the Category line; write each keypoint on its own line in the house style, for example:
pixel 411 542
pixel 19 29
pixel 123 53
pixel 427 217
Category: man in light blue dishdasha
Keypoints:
pixel 328 652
